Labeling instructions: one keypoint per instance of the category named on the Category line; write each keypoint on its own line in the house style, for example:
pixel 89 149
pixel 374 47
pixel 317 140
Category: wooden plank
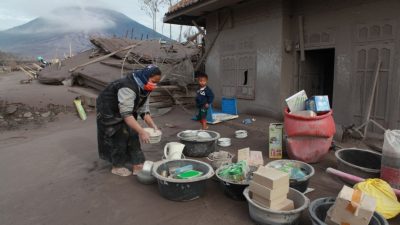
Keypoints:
pixel 161 104
pixel 204 56
pixel 27 73
pixel 105 56
pixel 168 87
pixel 199 28
pixel 160 99
pixel 38 68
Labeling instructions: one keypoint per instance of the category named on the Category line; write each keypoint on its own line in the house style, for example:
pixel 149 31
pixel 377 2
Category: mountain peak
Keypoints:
pixel 73 24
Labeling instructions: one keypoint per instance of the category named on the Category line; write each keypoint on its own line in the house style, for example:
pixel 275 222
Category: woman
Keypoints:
pixel 118 132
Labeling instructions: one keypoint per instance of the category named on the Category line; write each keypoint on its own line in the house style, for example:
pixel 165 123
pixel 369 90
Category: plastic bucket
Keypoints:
pixel 299 184
pixel 319 207
pixel 231 189
pixel 182 189
pixel 359 162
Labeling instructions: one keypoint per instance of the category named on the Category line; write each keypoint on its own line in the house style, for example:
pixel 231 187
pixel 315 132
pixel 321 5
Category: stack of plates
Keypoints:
pixel 155 135
pixel 240 134
pixel 224 142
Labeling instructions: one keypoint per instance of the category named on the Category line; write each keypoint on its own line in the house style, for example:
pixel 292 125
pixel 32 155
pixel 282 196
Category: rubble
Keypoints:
pixel 11 109
pixel 27 114
pixel 111 59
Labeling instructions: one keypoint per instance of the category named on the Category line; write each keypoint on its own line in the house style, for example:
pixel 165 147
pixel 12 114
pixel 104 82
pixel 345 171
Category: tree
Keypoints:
pixel 151 8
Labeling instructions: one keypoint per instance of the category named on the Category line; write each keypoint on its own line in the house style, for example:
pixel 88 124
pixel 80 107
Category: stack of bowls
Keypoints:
pixel 240 134
pixel 155 135
pixel 224 142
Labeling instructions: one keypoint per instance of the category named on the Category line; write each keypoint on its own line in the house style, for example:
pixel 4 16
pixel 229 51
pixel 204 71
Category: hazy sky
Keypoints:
pixel 17 12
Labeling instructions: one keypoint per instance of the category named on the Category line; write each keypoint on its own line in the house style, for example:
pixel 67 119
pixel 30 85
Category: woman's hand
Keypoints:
pixel 144 136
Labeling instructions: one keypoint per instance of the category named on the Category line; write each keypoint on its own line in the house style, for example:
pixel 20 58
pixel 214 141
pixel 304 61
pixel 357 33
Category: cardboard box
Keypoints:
pixel 305 113
pixel 270 194
pixel 328 219
pixel 275 140
pixel 244 154
pixel 256 158
pixel 271 178
pixel 296 102
pixel 318 104
pixel 266 203
pixel 284 206
pixel 358 213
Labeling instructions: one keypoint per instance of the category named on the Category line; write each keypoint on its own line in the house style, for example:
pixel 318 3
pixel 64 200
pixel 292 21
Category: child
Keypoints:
pixel 204 99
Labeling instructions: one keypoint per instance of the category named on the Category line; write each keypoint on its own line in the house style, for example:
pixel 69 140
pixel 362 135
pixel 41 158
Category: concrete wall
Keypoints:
pixel 269 31
pixel 343 21
pixel 255 28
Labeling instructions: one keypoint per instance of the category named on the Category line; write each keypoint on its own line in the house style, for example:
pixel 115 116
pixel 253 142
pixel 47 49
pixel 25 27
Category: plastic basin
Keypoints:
pixel 319 207
pixel 359 162
pixel 264 216
pixel 298 184
pixel 182 189
pixel 196 147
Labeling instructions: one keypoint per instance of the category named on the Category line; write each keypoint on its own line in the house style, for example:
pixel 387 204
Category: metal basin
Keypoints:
pixel 198 147
pixel 359 162
pixel 182 189
pixel 264 216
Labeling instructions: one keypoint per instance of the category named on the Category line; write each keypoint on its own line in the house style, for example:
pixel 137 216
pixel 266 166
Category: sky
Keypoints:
pixel 17 12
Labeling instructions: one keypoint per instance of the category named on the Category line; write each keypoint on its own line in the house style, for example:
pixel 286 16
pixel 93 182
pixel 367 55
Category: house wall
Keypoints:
pixel 267 32
pixel 252 37
pixel 360 31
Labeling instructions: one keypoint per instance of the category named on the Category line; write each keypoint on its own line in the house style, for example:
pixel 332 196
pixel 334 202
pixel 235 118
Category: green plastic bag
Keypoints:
pixel 380 190
pixel 235 171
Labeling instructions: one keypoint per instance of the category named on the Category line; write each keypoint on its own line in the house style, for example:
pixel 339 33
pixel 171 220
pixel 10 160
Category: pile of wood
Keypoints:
pixel 113 58
pixel 31 70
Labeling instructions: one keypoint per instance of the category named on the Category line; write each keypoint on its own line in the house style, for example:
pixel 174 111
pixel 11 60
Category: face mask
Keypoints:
pixel 150 86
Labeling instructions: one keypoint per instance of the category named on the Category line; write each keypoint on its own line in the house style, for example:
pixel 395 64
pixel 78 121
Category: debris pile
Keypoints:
pixel 113 58
pixel 15 115
pixel 31 70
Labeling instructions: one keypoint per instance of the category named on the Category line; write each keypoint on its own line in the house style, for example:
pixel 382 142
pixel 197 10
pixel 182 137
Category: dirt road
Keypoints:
pixel 51 174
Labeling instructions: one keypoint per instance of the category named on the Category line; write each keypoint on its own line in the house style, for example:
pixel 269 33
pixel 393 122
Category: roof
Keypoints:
pixel 185 11
pixel 181 5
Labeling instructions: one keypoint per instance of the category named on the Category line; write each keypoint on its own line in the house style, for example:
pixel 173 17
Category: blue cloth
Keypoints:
pixel 142 76
pixel 204 96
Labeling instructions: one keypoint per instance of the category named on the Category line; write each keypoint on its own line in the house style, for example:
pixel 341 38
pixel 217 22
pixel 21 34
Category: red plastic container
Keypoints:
pixel 309 138
pixel 319 126
pixel 308 149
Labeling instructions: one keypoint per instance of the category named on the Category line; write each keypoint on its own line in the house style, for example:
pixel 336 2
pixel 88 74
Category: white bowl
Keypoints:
pixel 155 135
pixel 224 142
pixel 240 134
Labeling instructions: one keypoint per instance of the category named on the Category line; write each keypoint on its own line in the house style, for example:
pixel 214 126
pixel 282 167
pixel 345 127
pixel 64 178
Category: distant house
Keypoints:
pixel 257 54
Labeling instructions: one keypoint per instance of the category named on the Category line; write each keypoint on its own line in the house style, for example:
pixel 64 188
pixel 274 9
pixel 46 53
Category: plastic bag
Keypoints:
pixel 380 190
pixel 390 166
pixel 391 144
pixel 235 172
